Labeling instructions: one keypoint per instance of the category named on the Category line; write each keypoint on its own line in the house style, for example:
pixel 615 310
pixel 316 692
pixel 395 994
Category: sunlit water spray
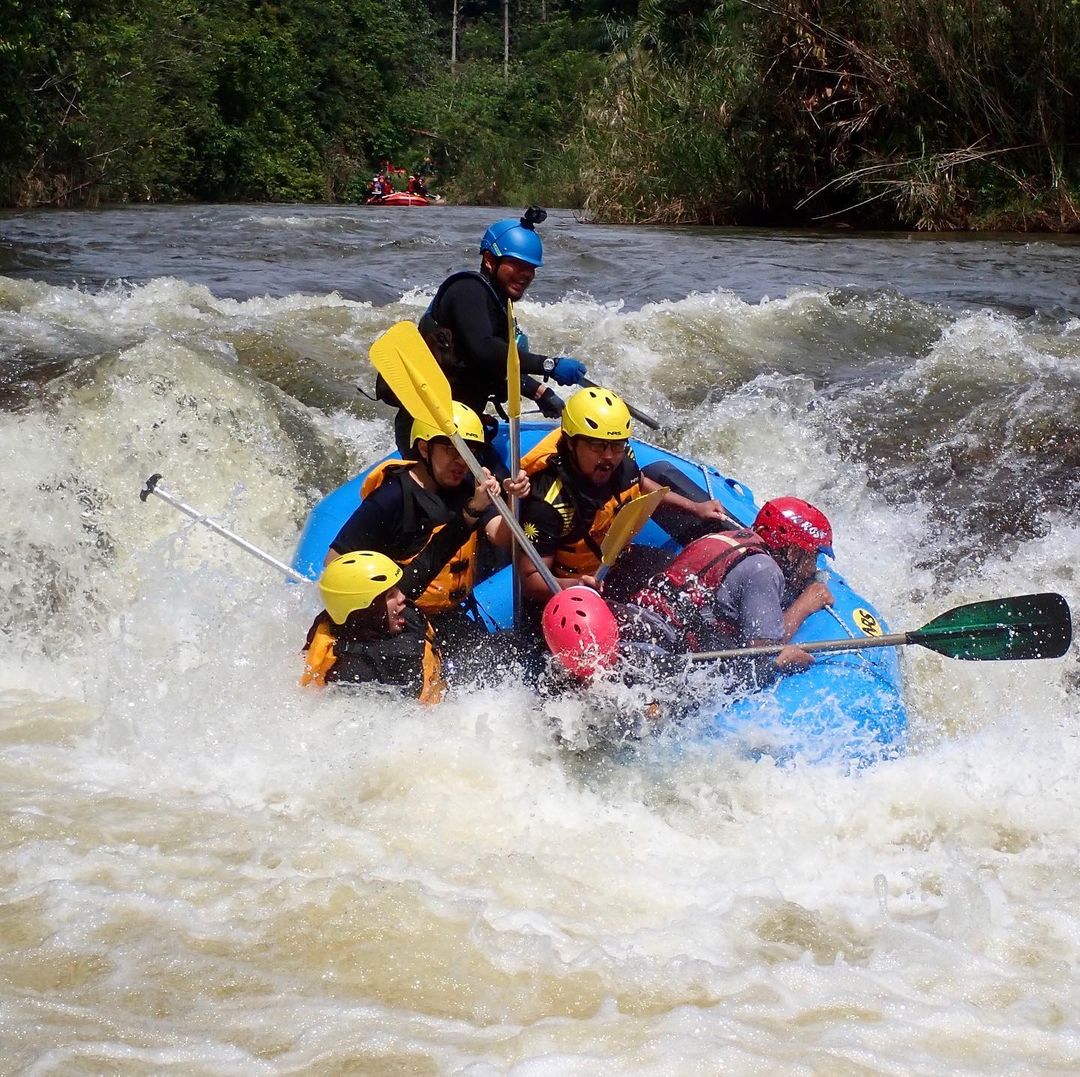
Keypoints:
pixel 208 869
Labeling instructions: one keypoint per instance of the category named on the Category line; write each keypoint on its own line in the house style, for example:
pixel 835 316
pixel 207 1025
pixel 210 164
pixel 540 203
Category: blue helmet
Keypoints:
pixel 516 238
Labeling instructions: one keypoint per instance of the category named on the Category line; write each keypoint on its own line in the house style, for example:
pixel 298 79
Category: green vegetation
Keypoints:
pixel 169 99
pixel 931 114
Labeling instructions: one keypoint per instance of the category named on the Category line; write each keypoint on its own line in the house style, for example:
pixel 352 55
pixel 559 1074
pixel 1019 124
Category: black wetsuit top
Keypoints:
pixel 471 309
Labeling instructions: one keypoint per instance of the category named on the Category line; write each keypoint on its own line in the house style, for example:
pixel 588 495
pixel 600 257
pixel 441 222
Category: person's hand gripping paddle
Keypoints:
pixel 404 360
pixel 999 629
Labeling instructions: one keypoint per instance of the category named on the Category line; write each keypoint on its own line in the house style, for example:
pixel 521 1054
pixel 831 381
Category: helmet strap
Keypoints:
pixel 782 556
pixel 568 450
pixel 422 452
pixel 791 555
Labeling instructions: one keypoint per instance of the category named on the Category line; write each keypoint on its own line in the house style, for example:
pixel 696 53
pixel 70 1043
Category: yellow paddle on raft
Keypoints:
pixel 513 416
pixel 405 361
pixel 631 518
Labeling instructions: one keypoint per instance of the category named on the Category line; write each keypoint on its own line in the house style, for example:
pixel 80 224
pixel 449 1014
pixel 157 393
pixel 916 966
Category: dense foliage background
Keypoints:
pixel 926 114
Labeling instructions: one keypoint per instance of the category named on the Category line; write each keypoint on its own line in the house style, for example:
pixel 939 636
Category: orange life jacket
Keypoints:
pixel 387 661
pixel 578 550
pixel 537 457
pixel 456 579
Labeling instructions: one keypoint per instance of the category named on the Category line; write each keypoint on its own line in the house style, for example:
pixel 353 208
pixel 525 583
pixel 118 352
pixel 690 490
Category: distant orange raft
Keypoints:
pixel 398 198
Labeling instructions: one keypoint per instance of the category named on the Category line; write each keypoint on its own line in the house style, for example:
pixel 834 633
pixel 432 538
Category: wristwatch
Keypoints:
pixel 549 365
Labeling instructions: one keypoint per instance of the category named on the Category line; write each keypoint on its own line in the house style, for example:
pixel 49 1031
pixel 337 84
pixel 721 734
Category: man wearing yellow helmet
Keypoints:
pixel 582 475
pixel 368 632
pixel 428 514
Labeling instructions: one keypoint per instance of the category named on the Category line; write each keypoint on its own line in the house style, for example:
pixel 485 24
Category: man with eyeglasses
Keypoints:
pixel 579 484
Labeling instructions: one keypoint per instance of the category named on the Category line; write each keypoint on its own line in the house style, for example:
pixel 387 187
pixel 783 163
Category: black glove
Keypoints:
pixel 550 405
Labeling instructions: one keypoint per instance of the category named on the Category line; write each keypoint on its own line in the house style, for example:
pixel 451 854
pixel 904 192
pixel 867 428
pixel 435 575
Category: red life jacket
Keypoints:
pixel 687 587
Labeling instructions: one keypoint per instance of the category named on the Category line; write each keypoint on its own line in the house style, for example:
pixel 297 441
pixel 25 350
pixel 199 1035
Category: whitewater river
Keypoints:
pixel 207 870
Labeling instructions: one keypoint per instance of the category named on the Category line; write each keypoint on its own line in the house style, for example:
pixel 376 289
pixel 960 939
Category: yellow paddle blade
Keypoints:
pixel 513 366
pixel 402 357
pixel 629 521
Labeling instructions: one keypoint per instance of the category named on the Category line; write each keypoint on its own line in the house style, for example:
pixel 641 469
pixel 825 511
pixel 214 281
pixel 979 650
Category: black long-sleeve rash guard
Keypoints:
pixel 469 309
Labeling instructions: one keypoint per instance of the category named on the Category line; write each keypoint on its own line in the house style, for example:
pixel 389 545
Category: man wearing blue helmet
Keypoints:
pixel 465 325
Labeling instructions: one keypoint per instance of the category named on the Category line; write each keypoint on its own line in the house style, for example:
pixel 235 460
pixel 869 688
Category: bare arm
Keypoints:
pixel 533 587
pixel 703 510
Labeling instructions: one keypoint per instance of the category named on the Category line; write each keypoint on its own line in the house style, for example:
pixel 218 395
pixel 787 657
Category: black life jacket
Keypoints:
pixel 454 582
pixel 459 372
pixel 408 659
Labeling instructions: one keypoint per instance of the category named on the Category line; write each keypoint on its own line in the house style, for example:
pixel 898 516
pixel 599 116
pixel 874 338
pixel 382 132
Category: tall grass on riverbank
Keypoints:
pixel 933 114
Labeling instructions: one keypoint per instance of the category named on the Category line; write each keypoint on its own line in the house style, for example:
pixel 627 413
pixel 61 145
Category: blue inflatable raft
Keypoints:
pixel 847 704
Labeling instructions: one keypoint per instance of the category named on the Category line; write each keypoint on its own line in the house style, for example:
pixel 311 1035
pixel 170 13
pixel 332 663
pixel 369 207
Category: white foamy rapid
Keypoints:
pixel 209 870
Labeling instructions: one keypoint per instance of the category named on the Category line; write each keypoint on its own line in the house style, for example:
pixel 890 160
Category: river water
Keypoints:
pixel 207 870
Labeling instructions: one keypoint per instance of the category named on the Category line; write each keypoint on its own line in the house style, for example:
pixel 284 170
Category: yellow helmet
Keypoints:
pixel 466 420
pixel 596 413
pixel 354 580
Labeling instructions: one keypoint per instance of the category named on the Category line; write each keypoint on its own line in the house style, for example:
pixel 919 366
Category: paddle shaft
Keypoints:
pixel 515 466
pixel 641 416
pixel 1017 628
pixel 515 454
pixel 513 415
pixel 504 511
pixel 152 487
pixel 896 639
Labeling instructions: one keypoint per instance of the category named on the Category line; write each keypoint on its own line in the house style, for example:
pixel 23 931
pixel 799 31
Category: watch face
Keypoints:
pixel 549 365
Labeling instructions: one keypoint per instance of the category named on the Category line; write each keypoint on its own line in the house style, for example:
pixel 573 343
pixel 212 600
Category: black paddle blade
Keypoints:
pixel 1026 626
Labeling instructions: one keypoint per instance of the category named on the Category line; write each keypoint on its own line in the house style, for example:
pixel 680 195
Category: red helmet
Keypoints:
pixel 790 521
pixel 581 630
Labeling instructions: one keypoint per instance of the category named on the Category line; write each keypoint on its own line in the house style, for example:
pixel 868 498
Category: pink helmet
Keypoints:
pixel 790 521
pixel 581 630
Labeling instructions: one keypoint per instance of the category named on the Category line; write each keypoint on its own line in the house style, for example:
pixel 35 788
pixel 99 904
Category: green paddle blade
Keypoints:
pixel 1026 626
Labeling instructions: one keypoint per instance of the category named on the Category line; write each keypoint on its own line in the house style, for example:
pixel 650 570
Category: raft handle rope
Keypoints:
pixel 873 667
